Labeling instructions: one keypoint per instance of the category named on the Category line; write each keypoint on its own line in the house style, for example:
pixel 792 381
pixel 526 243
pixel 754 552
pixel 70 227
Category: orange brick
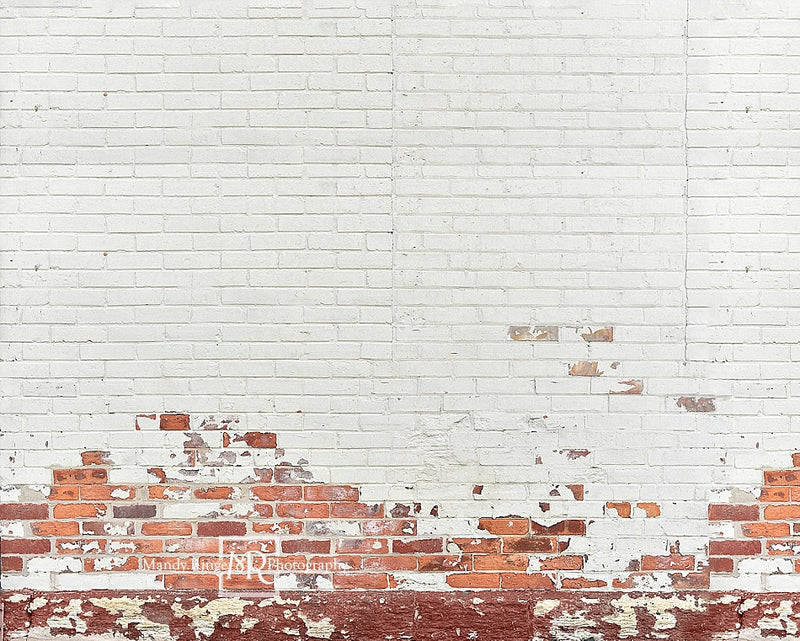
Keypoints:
pixel 167 564
pixel 80 546
pixel 284 528
pixel 344 563
pixel 53 528
pixel 78 510
pixel 254 582
pixel 562 528
pixel 107 492
pixel 95 457
pixel 504 526
pixel 191 545
pixel 478 545
pixel 720 564
pixel 167 492
pixel 377 581
pixel 755 530
pixel 521 580
pixel 362 546
pixel 214 493
pixel 167 528
pixel 11 563
pixel 623 509
pixel 64 493
pixel 569 562
pixel 530 544
pixel 796 459
pixel 775 494
pixel 444 563
pixel 389 527
pixel 781 512
pixel 474 580
pixel 178 422
pixel 782 477
pixel 356 511
pixel 417 546
pixel 391 563
pixel 80 476
pixel 651 510
pixel 734 548
pixel 577 491
pixel 134 546
pixel 582 583
pixel 116 565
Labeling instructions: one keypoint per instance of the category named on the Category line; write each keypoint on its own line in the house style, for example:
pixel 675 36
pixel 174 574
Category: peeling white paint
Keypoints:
pixel 782 620
pixel 322 629
pixel 545 607
pixel 71 619
pixel 205 618
pixel 129 613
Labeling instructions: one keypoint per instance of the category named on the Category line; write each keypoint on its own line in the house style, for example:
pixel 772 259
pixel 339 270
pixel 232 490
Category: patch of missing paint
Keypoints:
pixel 204 619
pixel 322 629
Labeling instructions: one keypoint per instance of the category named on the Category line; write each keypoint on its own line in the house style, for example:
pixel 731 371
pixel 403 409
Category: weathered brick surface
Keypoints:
pixel 376 274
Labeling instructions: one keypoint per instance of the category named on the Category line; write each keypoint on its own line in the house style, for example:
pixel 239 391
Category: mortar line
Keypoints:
pixel 686 188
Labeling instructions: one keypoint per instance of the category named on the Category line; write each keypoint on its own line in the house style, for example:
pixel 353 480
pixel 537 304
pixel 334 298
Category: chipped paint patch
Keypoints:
pixel 322 629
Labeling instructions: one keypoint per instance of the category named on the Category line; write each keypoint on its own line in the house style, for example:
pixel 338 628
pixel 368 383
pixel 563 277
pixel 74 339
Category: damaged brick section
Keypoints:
pixel 229 491
pixel 517 615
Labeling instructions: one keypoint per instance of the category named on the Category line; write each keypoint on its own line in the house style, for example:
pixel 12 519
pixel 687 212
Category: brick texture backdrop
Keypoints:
pixel 434 295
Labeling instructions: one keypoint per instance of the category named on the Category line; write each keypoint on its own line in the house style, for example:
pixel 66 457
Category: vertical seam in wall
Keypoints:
pixel 686 187
pixel 392 197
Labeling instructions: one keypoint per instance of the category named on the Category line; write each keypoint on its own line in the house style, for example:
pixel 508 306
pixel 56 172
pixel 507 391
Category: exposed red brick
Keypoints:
pixel 284 528
pixel 477 545
pixel 191 581
pixel 101 565
pixel 192 545
pixel 720 564
pixel 179 422
pixel 286 473
pixel 417 546
pixel 693 404
pixel 102 528
pixel 781 512
pixel 64 492
pixel 474 580
pixel 569 562
pixel 734 548
pixel 756 530
pixel 23 511
pixel 531 544
pixel 266 440
pixel 221 528
pixel 106 492
pixel 303 510
pixel 569 527
pixel 356 511
pixel 134 511
pixel 214 493
pixel 775 494
pixel 80 546
pixel 167 528
pixel 634 387
pixel 79 510
pixel 277 492
pixel 507 562
pixel 577 491
pixel 521 580
pixel 376 581
pixel 651 510
pixel 53 528
pixel 622 508
pixel 585 368
pixel 79 476
pixel 670 562
pixel 305 546
pixel 782 477
pixel 362 546
pixel 350 562
pixel 389 528
pixel 391 563
pixel 25 546
pixel 330 493
pixel 11 563
pixel 726 512
pixel 504 526
pixel 582 583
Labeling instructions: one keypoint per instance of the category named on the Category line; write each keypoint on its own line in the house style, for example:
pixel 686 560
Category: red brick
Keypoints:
pixel 478 545
pixel 356 511
pixel 361 581
pixel 338 563
pixel 782 477
pixel 95 457
pixel 80 546
pixel 474 580
pixel 585 368
pixel 284 528
pixel 101 528
pixel 305 546
pixel 178 422
pixel 303 510
pixel 504 526
pixel 720 564
pixel 221 528
pixel 577 491
pixel 565 528
pixel 781 512
pixel 362 546
pixel 267 546
pixel 277 492
pixel 191 581
pixel 255 582
pixel 508 562
pixel 134 511
pixel 164 491
pixel 79 510
pixel 167 563
pixel 444 563
pixel 694 404
pixel 569 562
pixel 65 492
pixel 582 583
pixel 257 440
pixel 23 511
pixel 734 548
pixel 522 580
pixel 733 512
pixel 691 581
pixel 213 493
pixel 134 546
pixel 25 546
pixel 167 528
pixel 80 476
pixel 330 493
pixel 417 546
pixel 191 545
pixel 11 563
pixel 651 510
pixel 670 562
pixel 53 528
pixel 101 565
pixel 530 544
pixel 764 530
pixel 783 548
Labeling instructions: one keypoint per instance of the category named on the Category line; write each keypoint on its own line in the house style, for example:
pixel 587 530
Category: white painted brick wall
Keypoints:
pixel 324 215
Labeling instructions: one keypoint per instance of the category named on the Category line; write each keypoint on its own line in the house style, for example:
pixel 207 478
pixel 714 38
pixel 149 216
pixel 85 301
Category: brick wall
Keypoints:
pixel 500 292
